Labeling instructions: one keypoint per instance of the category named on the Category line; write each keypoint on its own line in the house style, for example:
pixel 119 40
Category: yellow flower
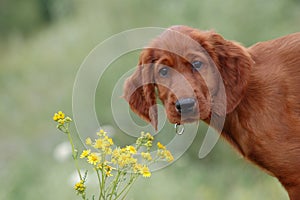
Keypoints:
pixel 85 153
pixel 137 168
pixel 108 173
pixel 145 171
pixel 68 119
pixel 110 141
pixel 99 144
pixel 108 170
pixel 93 159
pixel 55 117
pixel 61 121
pixel 141 169
pixel 160 146
pixel 58 115
pixel 60 118
pixel 116 154
pixel 146 155
pixel 169 157
pixel 107 151
pixel 132 161
pixel 104 144
pixel 131 149
pixel 165 154
pixel 101 133
pixel 88 141
pixel 107 141
pixel 80 187
pixel 149 144
pixel 61 114
pixel 149 137
pixel 123 160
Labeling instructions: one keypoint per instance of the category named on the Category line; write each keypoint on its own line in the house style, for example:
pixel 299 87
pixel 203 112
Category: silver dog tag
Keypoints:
pixel 179 129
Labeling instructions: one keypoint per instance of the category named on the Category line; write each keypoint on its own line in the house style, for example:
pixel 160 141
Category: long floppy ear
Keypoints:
pixel 234 64
pixel 139 91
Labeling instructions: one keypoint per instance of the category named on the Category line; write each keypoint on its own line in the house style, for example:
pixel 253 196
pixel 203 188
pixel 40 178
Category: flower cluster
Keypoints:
pixel 117 167
pixel 117 162
pixel 145 140
pixel 109 159
pixel 60 118
pixel 163 153
pixel 62 121
pixel 80 187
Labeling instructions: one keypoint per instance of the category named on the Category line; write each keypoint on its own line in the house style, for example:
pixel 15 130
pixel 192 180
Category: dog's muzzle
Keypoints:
pixel 185 105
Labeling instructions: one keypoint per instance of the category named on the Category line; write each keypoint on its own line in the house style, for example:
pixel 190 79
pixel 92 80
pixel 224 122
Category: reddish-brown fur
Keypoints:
pixel 262 85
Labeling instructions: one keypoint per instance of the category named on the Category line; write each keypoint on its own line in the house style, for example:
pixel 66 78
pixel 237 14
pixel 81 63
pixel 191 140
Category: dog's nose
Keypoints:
pixel 185 105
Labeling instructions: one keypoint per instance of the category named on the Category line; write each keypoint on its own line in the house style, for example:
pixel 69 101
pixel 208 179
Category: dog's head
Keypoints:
pixel 188 67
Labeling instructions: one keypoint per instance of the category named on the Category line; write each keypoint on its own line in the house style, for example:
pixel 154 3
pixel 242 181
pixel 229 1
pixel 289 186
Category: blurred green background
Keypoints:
pixel 42 45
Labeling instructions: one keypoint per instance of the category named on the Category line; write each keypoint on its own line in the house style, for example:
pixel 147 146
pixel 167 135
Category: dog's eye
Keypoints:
pixel 164 72
pixel 197 64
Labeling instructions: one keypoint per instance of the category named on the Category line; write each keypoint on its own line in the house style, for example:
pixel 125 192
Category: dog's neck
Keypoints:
pixel 231 132
pixel 238 130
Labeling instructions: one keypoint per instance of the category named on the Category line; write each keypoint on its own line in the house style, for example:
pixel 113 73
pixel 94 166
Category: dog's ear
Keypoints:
pixel 139 90
pixel 234 63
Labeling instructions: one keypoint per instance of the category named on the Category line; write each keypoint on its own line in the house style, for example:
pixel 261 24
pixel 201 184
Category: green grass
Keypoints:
pixel 37 76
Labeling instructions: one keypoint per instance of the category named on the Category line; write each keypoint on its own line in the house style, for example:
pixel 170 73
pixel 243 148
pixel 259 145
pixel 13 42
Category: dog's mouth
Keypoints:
pixel 190 117
pixel 187 110
pixel 188 120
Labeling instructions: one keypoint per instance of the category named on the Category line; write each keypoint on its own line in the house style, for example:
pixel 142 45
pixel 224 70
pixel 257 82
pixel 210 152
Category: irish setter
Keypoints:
pixel 262 93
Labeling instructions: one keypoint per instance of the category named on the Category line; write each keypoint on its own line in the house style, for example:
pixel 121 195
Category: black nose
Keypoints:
pixel 185 105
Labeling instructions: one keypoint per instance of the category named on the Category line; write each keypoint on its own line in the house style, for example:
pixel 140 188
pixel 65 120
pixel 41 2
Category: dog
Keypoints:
pixel 261 90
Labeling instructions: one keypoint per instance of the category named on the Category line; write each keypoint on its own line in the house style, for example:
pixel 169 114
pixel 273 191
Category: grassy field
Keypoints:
pixel 37 76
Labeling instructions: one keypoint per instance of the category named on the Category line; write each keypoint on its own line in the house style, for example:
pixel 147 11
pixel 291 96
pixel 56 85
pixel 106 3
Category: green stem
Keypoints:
pixel 74 152
pixel 131 181
pixel 101 183
pixel 111 185
pixel 138 147
pixel 74 155
pixel 116 181
pixel 127 188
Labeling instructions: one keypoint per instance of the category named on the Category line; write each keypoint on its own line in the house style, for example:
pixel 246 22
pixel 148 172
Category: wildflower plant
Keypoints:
pixel 117 168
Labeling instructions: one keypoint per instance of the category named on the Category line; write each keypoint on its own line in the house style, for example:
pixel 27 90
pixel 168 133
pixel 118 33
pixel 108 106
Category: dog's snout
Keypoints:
pixel 185 105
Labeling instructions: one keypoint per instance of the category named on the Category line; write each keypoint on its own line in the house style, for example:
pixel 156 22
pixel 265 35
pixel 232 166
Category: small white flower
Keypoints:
pixel 62 152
